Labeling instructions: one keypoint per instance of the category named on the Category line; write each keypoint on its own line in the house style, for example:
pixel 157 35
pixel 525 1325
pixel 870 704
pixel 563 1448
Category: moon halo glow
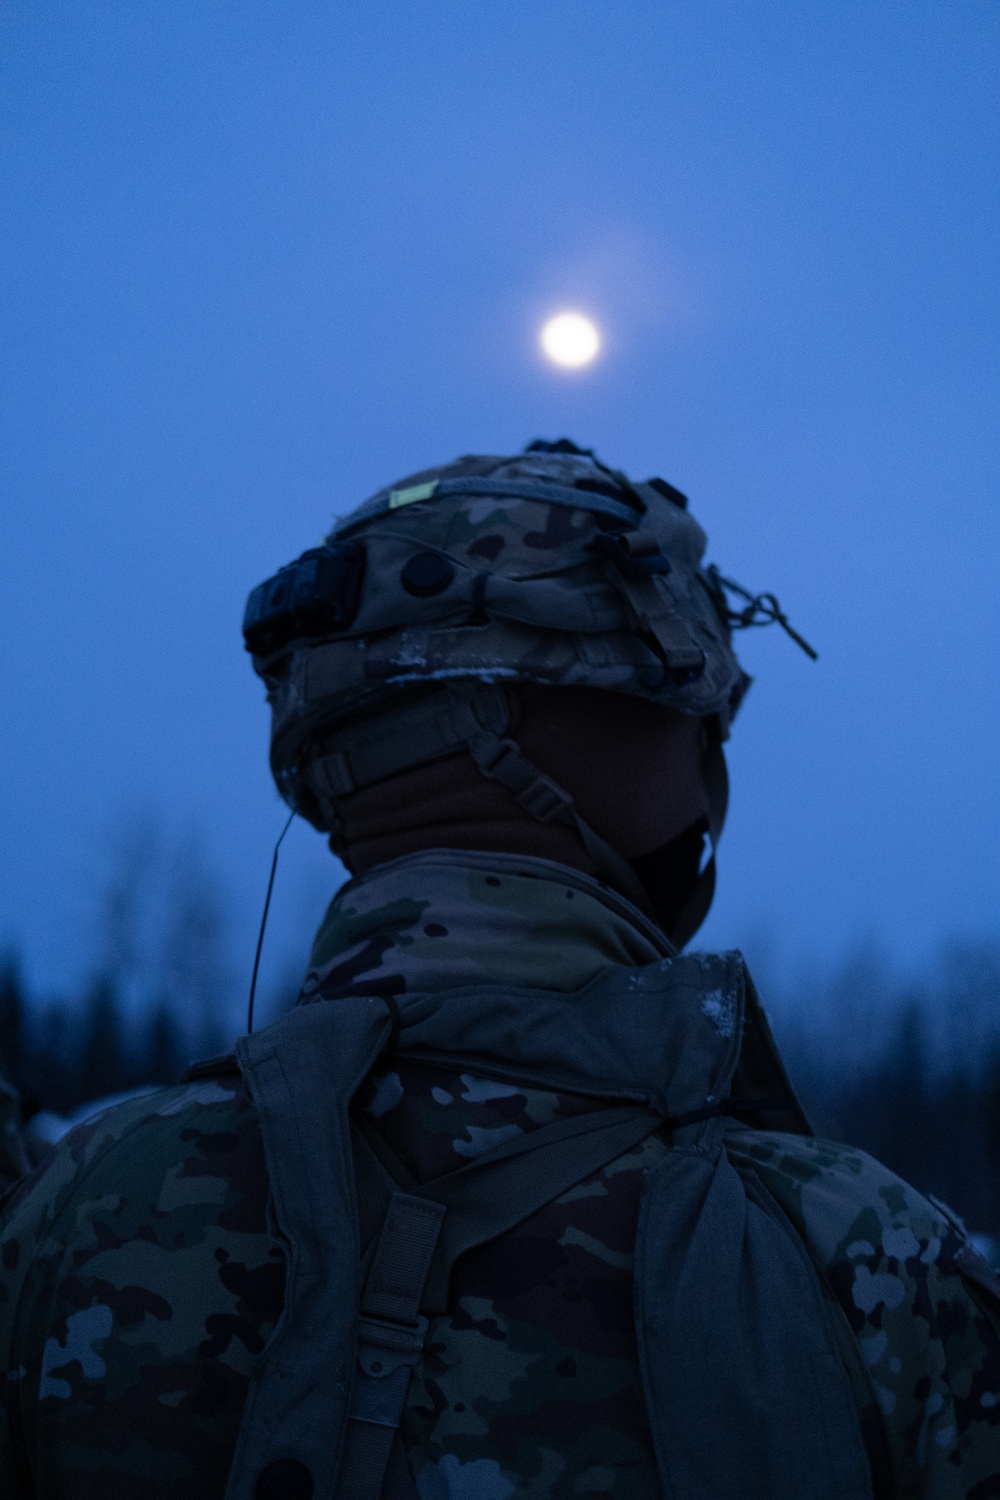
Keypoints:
pixel 570 340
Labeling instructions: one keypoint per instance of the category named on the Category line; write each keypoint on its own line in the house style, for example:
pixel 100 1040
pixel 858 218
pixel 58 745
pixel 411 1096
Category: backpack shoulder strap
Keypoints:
pixel 391 1334
pixel 422 1233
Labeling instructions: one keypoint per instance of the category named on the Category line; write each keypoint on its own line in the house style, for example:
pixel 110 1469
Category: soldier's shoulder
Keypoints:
pixel 185 1152
pixel 140 1277
pixel 840 1197
pixel 921 1303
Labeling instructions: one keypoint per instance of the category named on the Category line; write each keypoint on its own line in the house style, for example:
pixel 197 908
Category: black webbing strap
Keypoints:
pixel 633 571
pixel 391 1333
pixel 424 1232
pixel 475 717
pixel 408 734
pixel 493 1194
pixel 500 1188
pixel 503 760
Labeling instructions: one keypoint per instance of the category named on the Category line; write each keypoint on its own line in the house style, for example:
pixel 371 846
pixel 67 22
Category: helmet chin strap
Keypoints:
pixel 503 760
pixel 476 717
pixel 461 716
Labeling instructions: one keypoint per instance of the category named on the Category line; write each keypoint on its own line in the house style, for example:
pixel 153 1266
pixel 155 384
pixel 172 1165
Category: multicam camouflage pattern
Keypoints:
pixel 139 1284
pixel 141 1280
pixel 470 925
pixel 923 1310
pixel 531 1381
pixel 534 596
pixel 530 1384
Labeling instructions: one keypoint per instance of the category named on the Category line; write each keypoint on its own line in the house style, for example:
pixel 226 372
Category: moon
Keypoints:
pixel 570 340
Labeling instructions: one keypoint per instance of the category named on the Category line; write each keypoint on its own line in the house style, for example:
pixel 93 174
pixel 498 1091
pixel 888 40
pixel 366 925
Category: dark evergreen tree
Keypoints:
pixel 163 1058
pixel 52 1064
pixel 12 1021
pixel 104 1067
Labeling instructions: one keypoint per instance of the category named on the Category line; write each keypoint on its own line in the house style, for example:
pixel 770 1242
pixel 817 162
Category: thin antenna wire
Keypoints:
pixel 263 921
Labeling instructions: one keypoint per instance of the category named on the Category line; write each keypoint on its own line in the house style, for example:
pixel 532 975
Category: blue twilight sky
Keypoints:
pixel 259 258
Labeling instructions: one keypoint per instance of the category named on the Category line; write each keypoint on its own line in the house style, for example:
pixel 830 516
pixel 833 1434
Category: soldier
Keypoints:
pixel 517 1200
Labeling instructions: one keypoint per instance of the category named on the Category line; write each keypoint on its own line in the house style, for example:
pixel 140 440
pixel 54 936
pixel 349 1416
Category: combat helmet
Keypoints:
pixel 390 645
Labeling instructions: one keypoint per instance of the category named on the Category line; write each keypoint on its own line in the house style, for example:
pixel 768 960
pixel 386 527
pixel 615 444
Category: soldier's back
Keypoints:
pixel 142 1280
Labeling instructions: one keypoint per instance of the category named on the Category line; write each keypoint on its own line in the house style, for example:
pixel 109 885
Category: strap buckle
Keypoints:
pixel 385 1347
pixel 544 800
pixel 504 761
pixel 386 1353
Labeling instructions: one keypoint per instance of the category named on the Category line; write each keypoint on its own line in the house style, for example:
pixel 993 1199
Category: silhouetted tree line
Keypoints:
pixel 908 1072
pixel 161 986
pixel 63 1054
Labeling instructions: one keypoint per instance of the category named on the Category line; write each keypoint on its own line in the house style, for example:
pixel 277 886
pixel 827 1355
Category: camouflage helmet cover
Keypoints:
pixel 545 567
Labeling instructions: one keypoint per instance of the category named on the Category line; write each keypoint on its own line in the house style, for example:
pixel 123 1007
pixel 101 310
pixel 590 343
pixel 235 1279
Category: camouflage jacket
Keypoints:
pixel 143 1275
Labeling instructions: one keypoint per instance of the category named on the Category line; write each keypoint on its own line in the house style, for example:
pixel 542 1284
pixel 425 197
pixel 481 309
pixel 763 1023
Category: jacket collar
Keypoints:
pixel 448 918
